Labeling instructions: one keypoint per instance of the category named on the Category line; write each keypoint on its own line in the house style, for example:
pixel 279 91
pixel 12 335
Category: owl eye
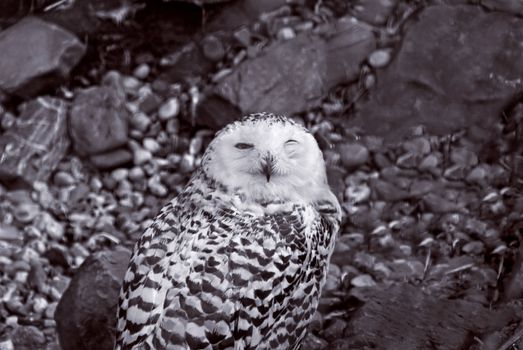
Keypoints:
pixel 291 142
pixel 242 145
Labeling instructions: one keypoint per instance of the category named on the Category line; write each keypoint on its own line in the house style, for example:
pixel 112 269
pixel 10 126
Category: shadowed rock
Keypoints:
pixel 86 314
pixel 41 55
pixel 450 72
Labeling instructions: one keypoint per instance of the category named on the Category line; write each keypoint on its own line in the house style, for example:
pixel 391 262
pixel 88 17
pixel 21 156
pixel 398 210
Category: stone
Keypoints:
pixel 169 109
pixel 432 319
pixel 380 58
pixel 86 314
pixel 111 160
pixel 463 157
pixel 373 11
pixel 142 71
pixel 511 6
pixel 426 83
pixel 37 142
pixel 363 281
pixel 353 155
pixel 388 191
pixel 98 120
pixel 28 338
pixel 293 75
pixel 213 48
pixel 437 204
pixel 46 57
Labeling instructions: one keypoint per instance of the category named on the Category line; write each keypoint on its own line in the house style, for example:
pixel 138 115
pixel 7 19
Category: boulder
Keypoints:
pixel 293 75
pixel 41 55
pixel 98 120
pixel 36 143
pixel 433 322
pixel 450 73
pixel 86 314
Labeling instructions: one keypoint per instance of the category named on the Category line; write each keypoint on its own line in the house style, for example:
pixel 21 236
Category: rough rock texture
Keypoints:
pixel 32 148
pixel 432 322
pixel 98 120
pixel 512 6
pixel 293 75
pixel 86 314
pixel 449 73
pixel 46 57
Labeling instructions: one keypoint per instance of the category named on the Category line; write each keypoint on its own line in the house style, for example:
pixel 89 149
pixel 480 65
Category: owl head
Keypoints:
pixel 267 158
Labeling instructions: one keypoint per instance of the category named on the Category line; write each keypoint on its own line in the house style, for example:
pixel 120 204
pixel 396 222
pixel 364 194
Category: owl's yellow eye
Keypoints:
pixel 242 145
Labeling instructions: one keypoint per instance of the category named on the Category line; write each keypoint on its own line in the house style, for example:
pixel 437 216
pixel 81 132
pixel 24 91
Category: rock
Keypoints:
pixel 111 160
pixel 363 281
pixel 335 329
pixel 28 338
pixel 463 157
pixel 98 120
pixel 353 155
pixel 438 204
pixel 444 323
pixel 293 75
pixel 45 59
pixel 213 48
pixel 379 58
pixel 387 191
pixel 418 146
pixel 169 109
pixel 86 314
pixel 37 142
pixel 426 83
pixel 313 342
pixel 63 179
pixel 141 156
pixel 373 11
pixel 142 71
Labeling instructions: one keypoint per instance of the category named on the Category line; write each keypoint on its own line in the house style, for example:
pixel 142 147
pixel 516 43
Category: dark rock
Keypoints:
pixel 432 322
pixel 187 62
pixel 438 204
pixel 112 159
pixel 46 57
pixel 86 314
pixel 387 191
pixel 213 48
pixel 426 82
pixel 293 75
pixel 312 342
pixel 98 120
pixel 28 338
pixel 335 329
pixel 32 148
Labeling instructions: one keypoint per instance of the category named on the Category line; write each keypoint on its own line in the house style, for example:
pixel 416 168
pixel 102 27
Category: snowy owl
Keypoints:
pixel 238 259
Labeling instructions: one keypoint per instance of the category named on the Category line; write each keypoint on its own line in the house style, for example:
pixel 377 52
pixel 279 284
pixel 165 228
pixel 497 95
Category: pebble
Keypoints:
pixel 474 247
pixel 142 71
pixel 418 146
pixel 353 155
pixel 39 304
pixel 151 145
pixel 156 187
pixel 63 179
pixel 25 213
pixel 335 329
pixel 463 156
pixel 140 156
pixel 50 310
pixel 243 36
pixel 429 163
pixel 478 175
pixel 120 174
pixel 357 193
pixel 363 281
pixel 53 228
pixel 131 85
pixel 286 33
pixel 136 173
pixel 140 121
pixel 8 120
pixel 213 48
pixel 380 58
pixel 169 109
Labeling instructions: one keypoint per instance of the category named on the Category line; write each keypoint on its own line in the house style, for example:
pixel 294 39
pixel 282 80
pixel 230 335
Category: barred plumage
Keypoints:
pixel 238 259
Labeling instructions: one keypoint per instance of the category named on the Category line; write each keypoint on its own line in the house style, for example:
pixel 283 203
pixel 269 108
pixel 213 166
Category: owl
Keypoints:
pixel 238 259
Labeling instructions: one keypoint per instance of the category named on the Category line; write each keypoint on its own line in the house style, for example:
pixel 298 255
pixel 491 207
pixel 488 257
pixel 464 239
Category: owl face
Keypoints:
pixel 267 160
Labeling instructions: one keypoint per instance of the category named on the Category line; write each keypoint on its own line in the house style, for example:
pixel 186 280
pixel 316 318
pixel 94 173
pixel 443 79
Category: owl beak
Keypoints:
pixel 267 166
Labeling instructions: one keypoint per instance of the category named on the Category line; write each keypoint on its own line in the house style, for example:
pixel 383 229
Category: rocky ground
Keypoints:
pixel 107 106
